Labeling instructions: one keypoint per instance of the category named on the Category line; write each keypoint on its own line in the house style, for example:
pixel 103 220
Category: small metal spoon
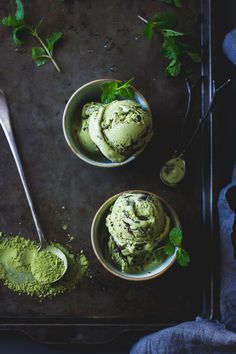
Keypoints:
pixel 177 165
pixel 7 128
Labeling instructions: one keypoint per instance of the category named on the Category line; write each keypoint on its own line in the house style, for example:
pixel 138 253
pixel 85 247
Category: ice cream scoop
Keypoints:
pixel 117 130
pixel 83 131
pixel 136 223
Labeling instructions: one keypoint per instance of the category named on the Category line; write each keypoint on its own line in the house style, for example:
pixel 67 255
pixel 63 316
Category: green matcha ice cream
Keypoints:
pixel 136 223
pixel 117 130
pixel 83 131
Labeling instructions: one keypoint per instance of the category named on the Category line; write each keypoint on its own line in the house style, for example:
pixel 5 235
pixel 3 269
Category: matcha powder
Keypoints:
pixel 16 255
pixel 47 267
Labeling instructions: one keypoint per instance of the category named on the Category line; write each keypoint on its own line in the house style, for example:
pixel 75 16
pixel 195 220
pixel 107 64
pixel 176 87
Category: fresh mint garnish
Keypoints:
pixel 175 45
pixel 169 249
pixel 113 90
pixel 161 20
pixel 18 24
pixel 175 241
pixel 176 237
pixel 182 257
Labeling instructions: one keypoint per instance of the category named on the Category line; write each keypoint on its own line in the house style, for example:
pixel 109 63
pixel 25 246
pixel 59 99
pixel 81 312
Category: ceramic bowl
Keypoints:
pixel 99 235
pixel 71 116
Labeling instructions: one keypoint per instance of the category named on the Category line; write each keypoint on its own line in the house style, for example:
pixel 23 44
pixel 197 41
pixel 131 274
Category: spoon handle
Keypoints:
pixel 7 128
pixel 203 120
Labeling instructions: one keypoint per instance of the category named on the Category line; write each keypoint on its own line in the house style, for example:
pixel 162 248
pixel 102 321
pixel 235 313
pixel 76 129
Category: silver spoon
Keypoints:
pixel 7 128
pixel 173 171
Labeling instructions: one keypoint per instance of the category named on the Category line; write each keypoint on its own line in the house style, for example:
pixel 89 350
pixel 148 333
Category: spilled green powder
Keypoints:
pixel 64 227
pixel 16 254
pixel 47 267
pixel 70 238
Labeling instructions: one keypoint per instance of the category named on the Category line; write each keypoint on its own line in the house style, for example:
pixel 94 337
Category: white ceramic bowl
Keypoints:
pixel 71 116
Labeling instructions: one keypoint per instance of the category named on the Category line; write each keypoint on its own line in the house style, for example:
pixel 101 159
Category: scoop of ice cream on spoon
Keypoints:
pixel 173 171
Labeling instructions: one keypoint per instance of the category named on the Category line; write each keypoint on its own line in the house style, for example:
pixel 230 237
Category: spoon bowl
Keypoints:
pixel 59 254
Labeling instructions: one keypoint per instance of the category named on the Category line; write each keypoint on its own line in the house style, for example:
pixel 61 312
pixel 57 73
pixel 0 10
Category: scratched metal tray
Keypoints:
pixel 68 191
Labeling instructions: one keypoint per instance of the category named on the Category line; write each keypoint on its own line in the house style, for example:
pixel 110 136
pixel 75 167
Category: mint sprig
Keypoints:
pixel 161 20
pixel 18 23
pixel 113 90
pixel 175 239
pixel 175 45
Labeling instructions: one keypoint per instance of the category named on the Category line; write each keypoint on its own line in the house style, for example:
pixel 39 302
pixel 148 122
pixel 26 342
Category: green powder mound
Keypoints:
pixel 47 267
pixel 16 255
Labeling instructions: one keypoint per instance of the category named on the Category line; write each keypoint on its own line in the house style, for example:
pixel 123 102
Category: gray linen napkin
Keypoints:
pixel 202 336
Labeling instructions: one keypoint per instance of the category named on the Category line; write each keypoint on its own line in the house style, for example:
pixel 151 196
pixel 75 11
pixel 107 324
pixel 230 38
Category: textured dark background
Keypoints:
pixel 57 178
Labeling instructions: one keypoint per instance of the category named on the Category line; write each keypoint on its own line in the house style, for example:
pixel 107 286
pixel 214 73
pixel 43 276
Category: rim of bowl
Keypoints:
pixel 77 151
pixel 105 263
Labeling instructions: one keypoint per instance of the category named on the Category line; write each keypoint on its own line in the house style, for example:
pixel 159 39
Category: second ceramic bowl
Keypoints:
pixel 71 116
pixel 99 237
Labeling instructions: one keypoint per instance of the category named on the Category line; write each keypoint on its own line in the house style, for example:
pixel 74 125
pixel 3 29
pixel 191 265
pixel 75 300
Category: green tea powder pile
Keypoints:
pixel 16 255
pixel 47 267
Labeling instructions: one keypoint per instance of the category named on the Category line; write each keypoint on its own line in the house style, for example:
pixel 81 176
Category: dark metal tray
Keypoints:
pixel 68 191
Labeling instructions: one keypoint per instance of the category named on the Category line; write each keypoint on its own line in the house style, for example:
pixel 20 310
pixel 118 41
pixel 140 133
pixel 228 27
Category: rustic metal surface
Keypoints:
pixel 98 37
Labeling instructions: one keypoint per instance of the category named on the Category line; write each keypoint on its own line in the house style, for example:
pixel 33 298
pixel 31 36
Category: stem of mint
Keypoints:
pixel 49 55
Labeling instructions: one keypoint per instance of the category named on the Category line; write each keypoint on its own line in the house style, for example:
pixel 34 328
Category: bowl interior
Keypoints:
pixel 99 234
pixel 90 92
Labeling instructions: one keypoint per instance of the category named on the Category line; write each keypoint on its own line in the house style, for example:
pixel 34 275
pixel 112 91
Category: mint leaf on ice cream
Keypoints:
pixel 113 90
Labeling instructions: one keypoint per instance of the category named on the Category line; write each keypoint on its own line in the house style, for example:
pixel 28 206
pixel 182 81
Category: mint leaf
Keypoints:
pixel 164 20
pixel 18 24
pixel 108 92
pixel 174 68
pixel 126 92
pixel 169 249
pixel 149 30
pixel 176 236
pixel 182 257
pixel 18 19
pixel 174 242
pixel 174 49
pixel 20 13
pixel 170 49
pixel 10 21
pixel 15 33
pixel 52 40
pixel 161 20
pixel 39 56
pixel 107 98
pixel 113 90
pixel 171 33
